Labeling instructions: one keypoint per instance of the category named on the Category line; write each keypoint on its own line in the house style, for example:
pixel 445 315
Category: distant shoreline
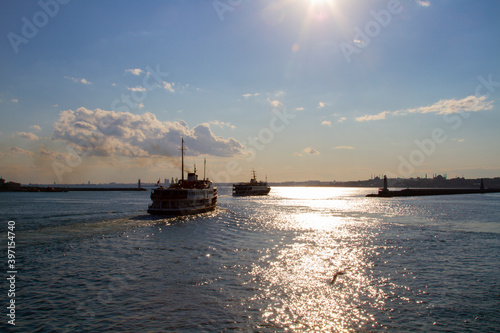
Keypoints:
pixel 438 182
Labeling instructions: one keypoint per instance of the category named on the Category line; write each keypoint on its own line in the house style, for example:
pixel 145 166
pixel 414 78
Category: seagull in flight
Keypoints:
pixel 335 276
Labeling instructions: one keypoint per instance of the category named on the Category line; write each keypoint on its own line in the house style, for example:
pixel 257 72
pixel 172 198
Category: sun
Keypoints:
pixel 320 3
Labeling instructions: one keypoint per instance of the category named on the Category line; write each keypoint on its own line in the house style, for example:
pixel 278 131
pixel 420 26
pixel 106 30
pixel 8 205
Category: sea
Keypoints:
pixel 97 262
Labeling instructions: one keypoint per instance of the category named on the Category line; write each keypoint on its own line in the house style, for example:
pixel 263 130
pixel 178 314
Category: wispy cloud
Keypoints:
pixel 108 133
pixel 344 147
pixel 321 105
pixel 308 151
pixel 36 127
pixel 458 140
pixel 222 124
pixel 275 103
pixel 139 88
pixel 247 96
pixel 423 3
pixel 28 135
pixel 448 106
pixel 326 123
pixel 359 43
pixel 378 116
pixel 51 154
pixel 134 71
pixel 14 100
pixel 17 150
pixel 299 109
pixel 76 80
pixel 341 120
pixel 311 151
pixel 445 106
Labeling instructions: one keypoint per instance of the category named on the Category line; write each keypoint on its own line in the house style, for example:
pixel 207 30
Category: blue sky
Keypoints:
pixel 297 90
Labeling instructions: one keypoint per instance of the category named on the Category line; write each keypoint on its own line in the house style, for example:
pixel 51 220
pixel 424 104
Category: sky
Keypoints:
pixel 103 91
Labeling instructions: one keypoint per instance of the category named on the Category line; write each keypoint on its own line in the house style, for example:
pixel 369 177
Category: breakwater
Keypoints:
pixel 68 189
pixel 433 191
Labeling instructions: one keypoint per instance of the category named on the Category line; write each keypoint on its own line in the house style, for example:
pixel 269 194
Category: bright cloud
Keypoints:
pixel 109 133
pixel 326 123
pixel 341 120
pixel 29 136
pixel 321 105
pixel 168 86
pixel 135 71
pixel 445 106
pixel 36 127
pixel 299 109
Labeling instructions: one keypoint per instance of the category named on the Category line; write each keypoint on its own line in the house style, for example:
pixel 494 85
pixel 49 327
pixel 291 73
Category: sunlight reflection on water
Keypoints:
pixel 294 288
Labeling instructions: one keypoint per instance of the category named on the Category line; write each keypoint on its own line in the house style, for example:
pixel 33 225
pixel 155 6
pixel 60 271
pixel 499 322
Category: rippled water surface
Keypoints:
pixel 95 261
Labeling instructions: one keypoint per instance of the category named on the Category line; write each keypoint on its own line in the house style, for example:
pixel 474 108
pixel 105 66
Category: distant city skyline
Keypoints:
pixel 297 90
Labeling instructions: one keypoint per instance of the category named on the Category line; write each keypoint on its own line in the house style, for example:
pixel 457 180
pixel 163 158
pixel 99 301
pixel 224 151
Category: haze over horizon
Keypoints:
pixel 297 90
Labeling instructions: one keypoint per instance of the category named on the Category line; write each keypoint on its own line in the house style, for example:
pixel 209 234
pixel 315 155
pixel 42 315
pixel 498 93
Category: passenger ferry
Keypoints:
pixel 253 187
pixel 187 196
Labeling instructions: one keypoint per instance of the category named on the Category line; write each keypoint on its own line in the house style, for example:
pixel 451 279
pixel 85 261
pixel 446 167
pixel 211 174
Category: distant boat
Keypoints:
pixel 185 197
pixel 253 187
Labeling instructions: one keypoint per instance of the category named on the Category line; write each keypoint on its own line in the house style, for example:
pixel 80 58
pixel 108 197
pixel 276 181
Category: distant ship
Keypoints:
pixel 185 197
pixel 253 187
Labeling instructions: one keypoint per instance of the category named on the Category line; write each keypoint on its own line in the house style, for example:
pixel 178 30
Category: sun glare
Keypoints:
pixel 319 2
pixel 321 9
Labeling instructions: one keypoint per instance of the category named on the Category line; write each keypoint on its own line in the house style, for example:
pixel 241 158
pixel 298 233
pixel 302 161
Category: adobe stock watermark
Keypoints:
pixel 30 27
pixel 277 124
pixel 427 147
pixel 363 37
pixel 91 141
pixel 223 6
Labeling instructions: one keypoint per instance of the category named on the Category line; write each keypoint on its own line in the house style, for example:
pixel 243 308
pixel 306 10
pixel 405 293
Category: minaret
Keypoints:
pixel 182 159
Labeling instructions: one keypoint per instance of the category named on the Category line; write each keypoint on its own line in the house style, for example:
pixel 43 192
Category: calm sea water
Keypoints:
pixel 96 261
